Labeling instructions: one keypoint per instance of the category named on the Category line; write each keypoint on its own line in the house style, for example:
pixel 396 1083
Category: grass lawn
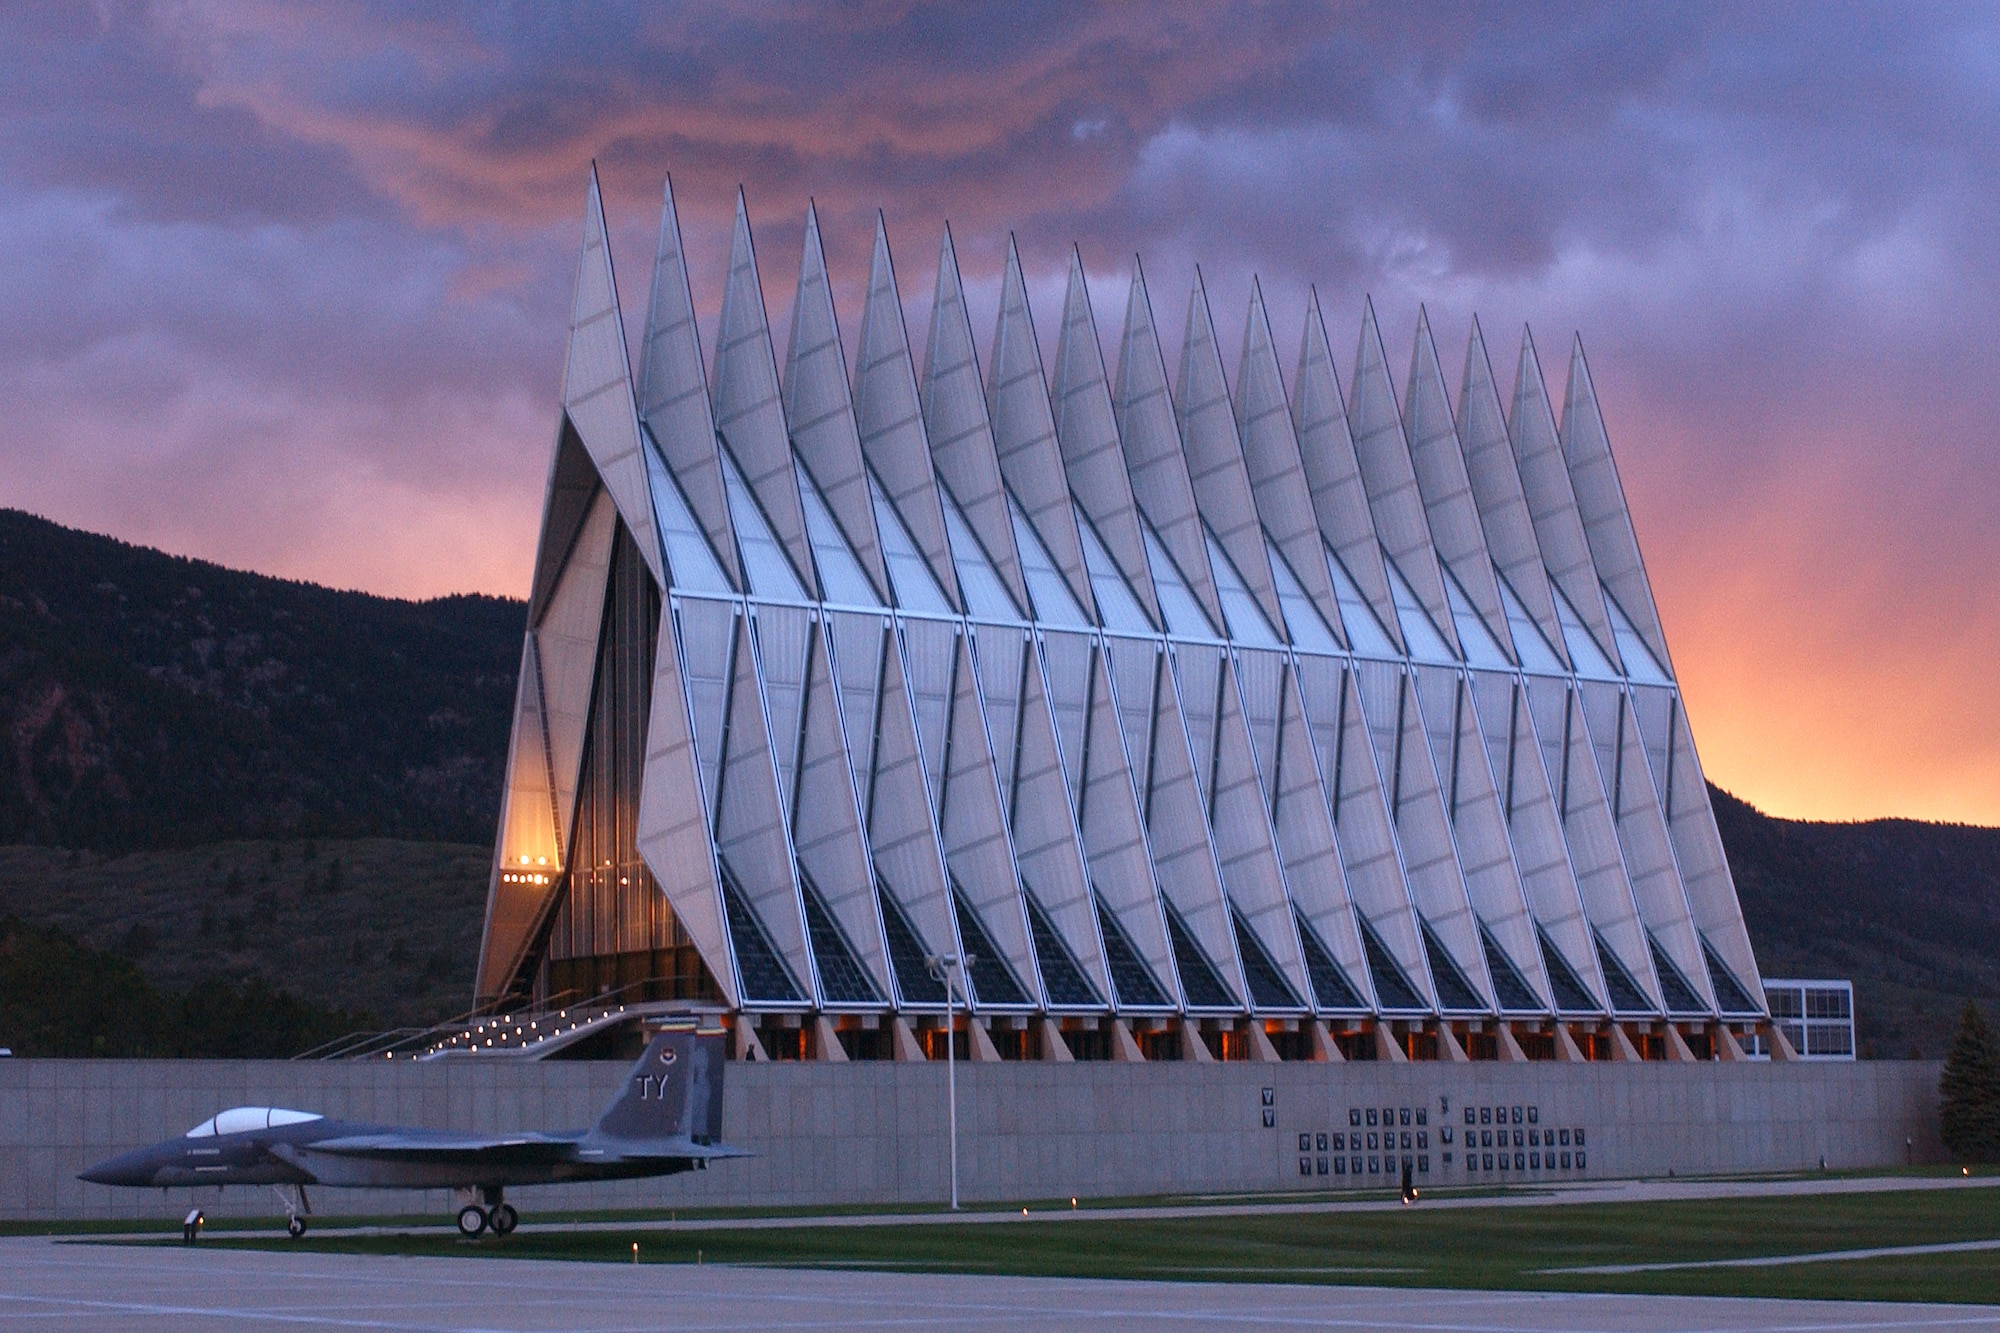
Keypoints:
pixel 1476 1247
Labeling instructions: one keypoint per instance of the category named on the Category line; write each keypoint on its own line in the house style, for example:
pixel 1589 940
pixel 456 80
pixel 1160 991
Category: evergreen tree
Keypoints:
pixel 1969 1091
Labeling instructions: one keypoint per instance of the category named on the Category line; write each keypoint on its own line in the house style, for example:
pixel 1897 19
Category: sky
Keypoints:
pixel 285 286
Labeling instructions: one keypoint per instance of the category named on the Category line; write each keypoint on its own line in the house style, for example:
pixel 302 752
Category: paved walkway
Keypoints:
pixel 48 1285
pixel 1779 1260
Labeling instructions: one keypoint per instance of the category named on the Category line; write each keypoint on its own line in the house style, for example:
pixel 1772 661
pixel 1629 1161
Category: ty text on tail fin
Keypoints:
pixel 674 1091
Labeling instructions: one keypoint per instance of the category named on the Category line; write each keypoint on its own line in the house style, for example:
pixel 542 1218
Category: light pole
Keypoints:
pixel 939 966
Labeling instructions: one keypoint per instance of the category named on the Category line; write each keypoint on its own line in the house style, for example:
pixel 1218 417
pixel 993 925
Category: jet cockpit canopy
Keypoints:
pixel 239 1119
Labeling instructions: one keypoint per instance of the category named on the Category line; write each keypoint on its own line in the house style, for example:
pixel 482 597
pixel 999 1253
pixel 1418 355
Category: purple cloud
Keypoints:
pixel 287 285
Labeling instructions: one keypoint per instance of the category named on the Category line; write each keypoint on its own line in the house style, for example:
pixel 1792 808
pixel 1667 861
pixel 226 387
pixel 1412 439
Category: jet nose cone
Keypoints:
pixel 132 1168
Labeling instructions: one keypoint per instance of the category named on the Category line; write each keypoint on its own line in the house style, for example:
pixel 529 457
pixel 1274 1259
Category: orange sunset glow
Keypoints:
pixel 287 288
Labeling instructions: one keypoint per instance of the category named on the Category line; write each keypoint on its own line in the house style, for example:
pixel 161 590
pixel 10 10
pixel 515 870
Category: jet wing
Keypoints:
pixel 410 1145
pixel 599 1148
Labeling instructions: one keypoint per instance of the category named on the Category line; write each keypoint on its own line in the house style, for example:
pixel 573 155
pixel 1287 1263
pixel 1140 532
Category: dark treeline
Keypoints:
pixel 59 998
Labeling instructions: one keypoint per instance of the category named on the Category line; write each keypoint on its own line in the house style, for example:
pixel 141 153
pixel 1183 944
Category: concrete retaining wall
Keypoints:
pixel 875 1132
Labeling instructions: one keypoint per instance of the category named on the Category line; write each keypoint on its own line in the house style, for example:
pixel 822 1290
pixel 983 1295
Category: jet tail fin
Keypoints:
pixel 674 1092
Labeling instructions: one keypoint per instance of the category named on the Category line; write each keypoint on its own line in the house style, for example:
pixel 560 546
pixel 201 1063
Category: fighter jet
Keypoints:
pixel 666 1119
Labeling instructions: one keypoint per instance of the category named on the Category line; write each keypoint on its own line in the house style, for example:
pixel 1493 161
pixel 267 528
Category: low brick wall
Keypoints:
pixel 875 1132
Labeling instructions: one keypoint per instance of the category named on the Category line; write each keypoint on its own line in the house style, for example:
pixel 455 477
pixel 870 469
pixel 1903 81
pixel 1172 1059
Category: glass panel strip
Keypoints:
pixel 993 982
pixel 1239 608
pixel 1426 644
pixel 1572 996
pixel 1061 976
pixel 1185 618
pixel 1529 642
pixel 1053 602
pixel 1330 985
pixel 1115 602
pixel 1137 987
pixel 1268 988
pixel 1591 663
pixel 769 572
pixel 986 596
pixel 915 588
pixel 1308 629
pixel 1481 649
pixel 1640 664
pixel 841 577
pixel 1364 631
pixel 691 564
pixel 907 952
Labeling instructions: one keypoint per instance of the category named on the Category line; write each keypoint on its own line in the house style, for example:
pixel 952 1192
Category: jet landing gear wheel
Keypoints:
pixel 503 1220
pixel 472 1221
pixel 297 1205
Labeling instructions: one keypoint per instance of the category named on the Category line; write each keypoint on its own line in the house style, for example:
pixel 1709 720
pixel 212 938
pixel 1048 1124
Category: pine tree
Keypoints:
pixel 1969 1091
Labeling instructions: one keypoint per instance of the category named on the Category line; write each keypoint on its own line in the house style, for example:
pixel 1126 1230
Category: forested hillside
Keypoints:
pixel 1909 911
pixel 215 774
pixel 148 701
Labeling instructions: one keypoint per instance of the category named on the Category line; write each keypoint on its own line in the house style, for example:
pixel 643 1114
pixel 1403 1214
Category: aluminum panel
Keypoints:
pixel 1087 435
pixel 676 816
pixel 673 391
pixel 1184 858
pixel 1301 821
pixel 819 412
pixel 973 829
pixel 902 821
pixel 1698 849
pixel 527 845
pixel 1439 462
pixel 1545 483
pixel 1024 432
pixel 1478 824
pixel 1595 851
pixel 751 834
pixel 1423 828
pixel 930 664
pixel 1215 456
pixel 1382 450
pixel 1245 845
pixel 566 651
pixel 889 418
pixel 961 433
pixel 597 384
pixel 780 634
pixel 1600 502
pixel 1642 832
pixel 1117 780
pixel 1534 825
pixel 1271 460
pixel 1001 656
pixel 1369 851
pixel 749 414
pixel 1333 472
pixel 1496 490
pixel 1039 805
pixel 1154 461
pixel 825 810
